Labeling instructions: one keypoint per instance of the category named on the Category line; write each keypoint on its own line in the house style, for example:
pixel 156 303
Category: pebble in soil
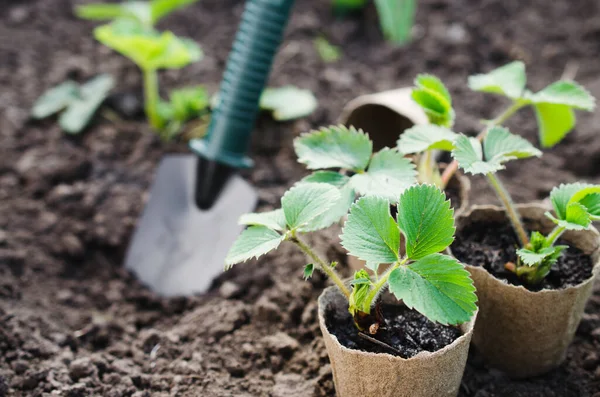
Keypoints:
pixel 492 245
pixel 406 330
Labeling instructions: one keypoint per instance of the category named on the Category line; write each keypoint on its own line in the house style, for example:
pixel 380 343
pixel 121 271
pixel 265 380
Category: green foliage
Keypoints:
pixel 252 243
pixel 274 220
pixel 554 105
pixel 327 51
pixel 361 286
pixel 576 205
pixel 304 202
pixel 431 94
pixel 385 174
pixel 340 207
pixel 421 138
pixel 499 147
pixel 334 147
pixel 426 220
pixel 146 13
pixel 288 102
pixel 370 233
pixel 308 271
pixel 79 102
pixel 148 49
pixel 508 80
pixel 396 18
pixel 437 286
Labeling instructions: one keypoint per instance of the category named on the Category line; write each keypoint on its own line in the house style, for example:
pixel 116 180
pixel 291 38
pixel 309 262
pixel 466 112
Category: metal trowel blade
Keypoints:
pixel 176 248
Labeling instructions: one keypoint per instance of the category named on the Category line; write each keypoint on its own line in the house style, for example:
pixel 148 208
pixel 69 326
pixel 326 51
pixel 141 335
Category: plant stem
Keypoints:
pixel 151 98
pixel 501 119
pixel 325 267
pixel 555 234
pixel 513 214
pixel 382 281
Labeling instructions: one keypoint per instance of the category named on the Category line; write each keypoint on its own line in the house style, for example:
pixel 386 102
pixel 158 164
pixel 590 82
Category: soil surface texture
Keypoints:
pixel 492 245
pixel 405 331
pixel 73 322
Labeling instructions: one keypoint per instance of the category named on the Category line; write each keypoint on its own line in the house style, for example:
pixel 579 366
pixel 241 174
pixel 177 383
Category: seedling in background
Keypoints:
pixel 554 105
pixel 151 51
pixel 146 13
pixel 396 17
pixel 434 284
pixel 288 102
pixel 78 103
pixel 575 205
pixel 327 51
pixel 423 140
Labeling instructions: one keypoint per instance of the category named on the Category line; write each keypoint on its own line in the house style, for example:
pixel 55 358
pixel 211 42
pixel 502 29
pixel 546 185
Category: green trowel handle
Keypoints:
pixel 246 74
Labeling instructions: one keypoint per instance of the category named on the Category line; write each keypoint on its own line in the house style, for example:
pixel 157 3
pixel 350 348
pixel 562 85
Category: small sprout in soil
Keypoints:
pixel 132 34
pixel 78 103
pixel 554 105
pixel 423 140
pixel 327 51
pixel 434 284
pixel 146 13
pixel 575 205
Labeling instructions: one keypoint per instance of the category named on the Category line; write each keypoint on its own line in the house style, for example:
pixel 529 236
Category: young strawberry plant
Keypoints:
pixel 575 205
pixel 436 285
pixel 554 105
pixel 423 140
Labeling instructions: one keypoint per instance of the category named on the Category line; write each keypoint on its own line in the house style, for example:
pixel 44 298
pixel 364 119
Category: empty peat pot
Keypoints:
pixel 360 373
pixel 522 332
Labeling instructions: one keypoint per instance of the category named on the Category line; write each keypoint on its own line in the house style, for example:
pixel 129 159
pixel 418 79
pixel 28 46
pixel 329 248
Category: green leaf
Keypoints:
pixel 148 49
pixel 499 147
pixel 576 218
pixel 274 220
pixel 396 18
pixel 136 10
pixel 508 80
pixel 306 201
pixel 566 194
pixel 431 94
pixel 55 99
pixel 531 258
pixel 308 271
pixel 361 286
pixel 288 103
pixel 188 103
pixel 340 208
pixel 437 286
pixel 554 122
pixel 80 112
pixel 426 220
pixel 162 8
pixel 420 138
pixel 327 52
pixel 252 243
pixel 567 93
pixel 334 147
pixel 389 174
pixel 592 203
pixel 370 232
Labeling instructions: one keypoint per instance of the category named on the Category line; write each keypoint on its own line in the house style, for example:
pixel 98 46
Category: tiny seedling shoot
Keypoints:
pixel 554 105
pixel 434 284
pixel 77 103
pixel 575 205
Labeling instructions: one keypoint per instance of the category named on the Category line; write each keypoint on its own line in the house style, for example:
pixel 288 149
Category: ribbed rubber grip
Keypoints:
pixel 247 71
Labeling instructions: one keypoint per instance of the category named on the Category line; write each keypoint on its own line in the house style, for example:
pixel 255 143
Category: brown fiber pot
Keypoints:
pixel 520 332
pixel 357 373
pixel 460 182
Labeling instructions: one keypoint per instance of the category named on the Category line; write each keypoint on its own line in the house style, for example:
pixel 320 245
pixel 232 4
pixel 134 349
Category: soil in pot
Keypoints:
pixel 407 331
pixel 493 244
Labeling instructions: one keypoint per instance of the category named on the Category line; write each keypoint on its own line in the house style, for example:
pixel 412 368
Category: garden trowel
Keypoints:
pixel 191 219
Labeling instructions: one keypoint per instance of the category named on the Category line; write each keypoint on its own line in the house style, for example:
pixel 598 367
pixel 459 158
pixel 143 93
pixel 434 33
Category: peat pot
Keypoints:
pixel 359 373
pixel 521 332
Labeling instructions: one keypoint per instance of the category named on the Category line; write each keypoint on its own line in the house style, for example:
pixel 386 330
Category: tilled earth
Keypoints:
pixel 73 322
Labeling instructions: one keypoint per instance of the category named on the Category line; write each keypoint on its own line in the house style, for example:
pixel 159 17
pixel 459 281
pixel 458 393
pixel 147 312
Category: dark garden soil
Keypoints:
pixel 404 332
pixel 492 245
pixel 73 322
